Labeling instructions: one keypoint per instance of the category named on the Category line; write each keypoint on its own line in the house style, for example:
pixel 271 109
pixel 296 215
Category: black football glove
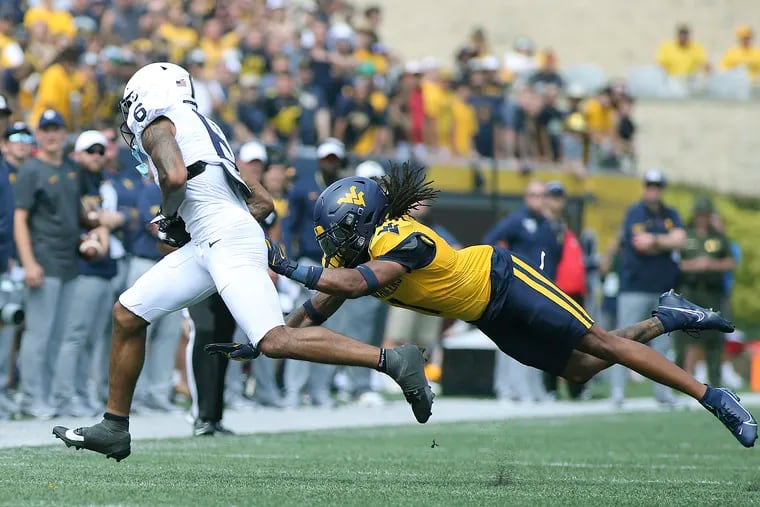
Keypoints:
pixel 278 261
pixel 233 351
pixel 171 230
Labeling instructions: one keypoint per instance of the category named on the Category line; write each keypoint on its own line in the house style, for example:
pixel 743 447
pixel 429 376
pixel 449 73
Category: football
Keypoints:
pixel 90 247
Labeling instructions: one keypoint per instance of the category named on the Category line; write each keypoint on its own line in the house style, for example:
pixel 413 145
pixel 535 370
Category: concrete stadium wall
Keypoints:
pixel 616 34
pixel 707 143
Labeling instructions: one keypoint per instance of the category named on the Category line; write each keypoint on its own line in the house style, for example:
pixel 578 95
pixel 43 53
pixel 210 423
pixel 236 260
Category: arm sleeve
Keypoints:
pixel 414 252
pixel 25 187
pixel 496 233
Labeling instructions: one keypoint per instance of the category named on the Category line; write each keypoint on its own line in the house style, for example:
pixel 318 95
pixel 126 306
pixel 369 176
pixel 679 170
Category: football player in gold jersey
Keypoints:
pixel 373 247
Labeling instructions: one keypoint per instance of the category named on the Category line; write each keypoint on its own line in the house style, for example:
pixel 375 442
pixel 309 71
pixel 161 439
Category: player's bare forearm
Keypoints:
pixel 260 203
pixel 23 237
pixel 350 283
pixel 162 148
pixel 324 304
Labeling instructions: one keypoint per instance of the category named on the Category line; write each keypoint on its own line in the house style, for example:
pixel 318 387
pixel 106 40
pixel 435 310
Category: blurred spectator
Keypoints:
pixel 368 50
pixel 373 17
pixel 57 87
pixel 121 22
pixel 17 146
pixel 87 92
pixel 254 57
pixel 283 113
pixel 571 270
pixel 550 121
pixel 464 122
pixel 527 128
pixel 46 231
pixel 652 233
pixel 489 111
pixel 11 53
pixel 314 120
pixel 176 34
pixel 342 60
pixel 91 303
pixel 58 22
pixel 406 113
pixel 253 156
pixel 625 132
pixel 548 73
pixel 600 121
pixel 521 61
pixel 528 233
pixel 212 322
pixel 214 42
pixel 705 258
pixel 251 115
pixel 361 118
pixel 744 54
pixel 207 93
pixel 574 136
pixel 682 57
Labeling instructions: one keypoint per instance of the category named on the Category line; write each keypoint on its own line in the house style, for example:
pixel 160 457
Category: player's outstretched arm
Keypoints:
pixel 314 311
pixel 348 283
pixel 162 148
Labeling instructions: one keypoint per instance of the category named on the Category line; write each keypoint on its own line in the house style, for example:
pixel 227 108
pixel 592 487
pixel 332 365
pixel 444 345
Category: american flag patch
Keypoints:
pixel 181 83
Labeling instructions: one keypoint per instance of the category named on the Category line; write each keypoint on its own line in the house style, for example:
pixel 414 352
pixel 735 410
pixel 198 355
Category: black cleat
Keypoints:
pixel 686 316
pixel 104 437
pixel 406 365
pixel 203 428
pixel 222 430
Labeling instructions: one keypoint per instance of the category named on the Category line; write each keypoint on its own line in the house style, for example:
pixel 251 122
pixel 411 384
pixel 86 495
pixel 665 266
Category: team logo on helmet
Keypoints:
pixel 352 197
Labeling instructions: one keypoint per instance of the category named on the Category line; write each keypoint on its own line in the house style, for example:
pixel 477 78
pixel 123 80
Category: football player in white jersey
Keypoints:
pixel 210 211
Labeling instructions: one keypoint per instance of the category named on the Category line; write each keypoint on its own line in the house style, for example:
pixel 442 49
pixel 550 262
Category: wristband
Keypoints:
pixel 369 277
pixel 307 275
pixel 314 315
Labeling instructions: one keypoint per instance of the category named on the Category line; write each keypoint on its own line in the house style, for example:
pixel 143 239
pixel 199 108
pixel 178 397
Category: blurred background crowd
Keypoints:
pixel 292 81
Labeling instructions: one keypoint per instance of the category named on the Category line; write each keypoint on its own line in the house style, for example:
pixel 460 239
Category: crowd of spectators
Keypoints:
pixel 295 74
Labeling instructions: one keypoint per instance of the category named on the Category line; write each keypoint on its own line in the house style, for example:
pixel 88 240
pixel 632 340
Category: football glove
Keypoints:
pixel 171 230
pixel 233 351
pixel 280 264
pixel 278 261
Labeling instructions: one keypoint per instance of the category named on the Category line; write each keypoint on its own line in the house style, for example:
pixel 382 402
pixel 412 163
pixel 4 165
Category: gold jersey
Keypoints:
pixel 440 280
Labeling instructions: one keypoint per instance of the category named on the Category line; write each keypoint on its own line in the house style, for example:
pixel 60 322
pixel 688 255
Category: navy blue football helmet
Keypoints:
pixel 345 217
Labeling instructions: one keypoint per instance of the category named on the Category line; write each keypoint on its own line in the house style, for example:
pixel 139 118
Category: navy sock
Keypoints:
pixel 668 322
pixel 708 395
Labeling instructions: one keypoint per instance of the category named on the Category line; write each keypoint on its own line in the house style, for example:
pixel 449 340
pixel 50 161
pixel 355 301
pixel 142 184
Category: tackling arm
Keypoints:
pixel 315 311
pixel 361 281
pixel 162 148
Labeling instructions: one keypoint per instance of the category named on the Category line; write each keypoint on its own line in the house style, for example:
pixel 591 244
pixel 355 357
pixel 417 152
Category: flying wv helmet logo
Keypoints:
pixel 352 197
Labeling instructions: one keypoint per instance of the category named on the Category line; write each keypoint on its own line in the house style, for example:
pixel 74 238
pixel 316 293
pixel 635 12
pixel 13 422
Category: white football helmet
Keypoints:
pixel 161 84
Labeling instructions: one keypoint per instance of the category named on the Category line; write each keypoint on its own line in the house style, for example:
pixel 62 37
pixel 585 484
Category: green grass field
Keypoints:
pixel 683 458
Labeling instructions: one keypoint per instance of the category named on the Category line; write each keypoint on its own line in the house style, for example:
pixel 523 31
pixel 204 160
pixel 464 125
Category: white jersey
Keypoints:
pixel 213 199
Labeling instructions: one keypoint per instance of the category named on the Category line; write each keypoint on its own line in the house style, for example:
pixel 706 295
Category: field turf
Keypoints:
pixel 666 458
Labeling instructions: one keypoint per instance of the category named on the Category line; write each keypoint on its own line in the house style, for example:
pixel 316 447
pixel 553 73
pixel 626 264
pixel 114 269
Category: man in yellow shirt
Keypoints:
pixel 682 57
pixel 465 122
pixel 57 84
pixel 743 54
pixel 58 22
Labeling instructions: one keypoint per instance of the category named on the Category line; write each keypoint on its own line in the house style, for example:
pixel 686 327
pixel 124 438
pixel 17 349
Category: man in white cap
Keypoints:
pixel 652 233
pixel 300 242
pixel 253 155
pixel 91 300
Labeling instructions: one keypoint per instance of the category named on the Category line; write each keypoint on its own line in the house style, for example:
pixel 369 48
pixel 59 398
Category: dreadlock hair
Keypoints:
pixel 406 187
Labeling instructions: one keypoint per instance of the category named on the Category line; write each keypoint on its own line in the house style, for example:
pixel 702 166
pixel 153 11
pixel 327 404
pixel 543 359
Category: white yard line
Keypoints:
pixel 266 420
